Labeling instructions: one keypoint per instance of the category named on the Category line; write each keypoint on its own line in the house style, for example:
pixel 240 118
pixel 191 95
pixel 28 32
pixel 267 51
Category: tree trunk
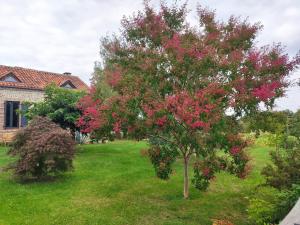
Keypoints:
pixel 186 177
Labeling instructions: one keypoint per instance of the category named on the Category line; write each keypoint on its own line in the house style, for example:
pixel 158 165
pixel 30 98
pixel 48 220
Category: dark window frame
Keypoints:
pixel 68 83
pixel 11 114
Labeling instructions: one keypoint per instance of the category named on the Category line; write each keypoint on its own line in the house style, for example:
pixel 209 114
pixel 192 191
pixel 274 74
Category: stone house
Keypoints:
pixel 18 85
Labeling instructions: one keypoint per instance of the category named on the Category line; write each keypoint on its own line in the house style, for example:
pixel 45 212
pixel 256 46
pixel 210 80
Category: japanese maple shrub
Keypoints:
pixel 42 149
pixel 177 85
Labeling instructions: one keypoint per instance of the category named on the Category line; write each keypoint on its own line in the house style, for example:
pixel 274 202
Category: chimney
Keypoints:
pixel 67 73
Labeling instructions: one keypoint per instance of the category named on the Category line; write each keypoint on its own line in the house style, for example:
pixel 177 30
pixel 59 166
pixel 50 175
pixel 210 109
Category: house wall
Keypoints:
pixel 13 94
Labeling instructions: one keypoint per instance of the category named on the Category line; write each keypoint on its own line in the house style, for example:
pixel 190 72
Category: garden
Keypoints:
pixel 178 127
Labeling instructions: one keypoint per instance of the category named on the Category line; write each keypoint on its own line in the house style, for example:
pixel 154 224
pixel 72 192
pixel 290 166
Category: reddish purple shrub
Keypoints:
pixel 42 149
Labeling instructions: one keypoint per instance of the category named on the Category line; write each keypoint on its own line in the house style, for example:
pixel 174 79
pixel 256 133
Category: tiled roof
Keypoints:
pixel 35 79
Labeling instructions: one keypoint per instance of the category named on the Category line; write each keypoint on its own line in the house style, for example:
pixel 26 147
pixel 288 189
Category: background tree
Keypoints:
pixel 177 85
pixel 268 121
pixel 294 128
pixel 60 105
pixel 277 123
pixel 102 90
pixel 284 170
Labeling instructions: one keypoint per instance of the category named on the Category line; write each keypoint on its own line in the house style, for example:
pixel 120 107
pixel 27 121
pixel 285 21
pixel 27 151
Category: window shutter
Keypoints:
pixel 24 121
pixel 4 116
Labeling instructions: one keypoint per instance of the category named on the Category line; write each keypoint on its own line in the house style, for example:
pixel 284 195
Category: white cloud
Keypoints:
pixel 64 35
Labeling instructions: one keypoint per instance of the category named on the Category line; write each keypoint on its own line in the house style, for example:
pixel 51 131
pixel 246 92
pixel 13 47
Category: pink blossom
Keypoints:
pixel 130 129
pixel 212 36
pixel 196 54
pixel 114 115
pixel 266 91
pixel 114 77
pixel 195 111
pixel 254 57
pixel 117 127
pixel 161 121
pixel 206 171
pixel 281 60
pixel 174 42
pixel 235 150
pixel 199 124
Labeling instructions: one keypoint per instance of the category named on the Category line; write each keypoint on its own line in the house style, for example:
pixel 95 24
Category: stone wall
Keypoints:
pixel 13 94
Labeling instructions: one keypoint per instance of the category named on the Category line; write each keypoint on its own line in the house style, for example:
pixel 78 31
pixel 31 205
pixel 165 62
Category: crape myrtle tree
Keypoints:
pixel 185 87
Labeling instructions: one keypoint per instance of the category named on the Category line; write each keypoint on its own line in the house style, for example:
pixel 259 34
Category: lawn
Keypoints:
pixel 114 184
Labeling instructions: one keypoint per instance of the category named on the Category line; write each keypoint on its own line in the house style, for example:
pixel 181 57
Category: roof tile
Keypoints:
pixel 35 79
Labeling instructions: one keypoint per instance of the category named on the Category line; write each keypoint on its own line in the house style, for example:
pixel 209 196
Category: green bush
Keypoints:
pixel 42 149
pixel 289 142
pixel 250 137
pixel 261 211
pixel 277 140
pixel 264 139
pixel 270 206
pixel 284 175
pixel 288 199
pixel 262 207
pixel 284 170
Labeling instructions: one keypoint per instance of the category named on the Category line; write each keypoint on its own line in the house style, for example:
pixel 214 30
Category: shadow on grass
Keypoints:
pixel 45 180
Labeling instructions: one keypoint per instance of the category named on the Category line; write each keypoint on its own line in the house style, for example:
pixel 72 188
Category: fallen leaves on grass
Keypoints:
pixel 222 222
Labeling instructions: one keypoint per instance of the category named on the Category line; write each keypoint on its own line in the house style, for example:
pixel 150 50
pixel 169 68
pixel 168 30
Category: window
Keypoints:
pixel 10 78
pixel 68 84
pixel 11 114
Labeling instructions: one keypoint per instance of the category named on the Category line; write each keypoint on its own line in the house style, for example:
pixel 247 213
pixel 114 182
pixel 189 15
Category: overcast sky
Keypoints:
pixel 63 35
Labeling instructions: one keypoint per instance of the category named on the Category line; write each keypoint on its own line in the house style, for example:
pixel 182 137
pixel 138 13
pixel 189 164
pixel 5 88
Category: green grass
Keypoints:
pixel 114 184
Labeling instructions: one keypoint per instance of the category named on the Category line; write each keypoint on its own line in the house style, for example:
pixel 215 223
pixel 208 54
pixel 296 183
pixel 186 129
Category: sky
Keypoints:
pixel 64 35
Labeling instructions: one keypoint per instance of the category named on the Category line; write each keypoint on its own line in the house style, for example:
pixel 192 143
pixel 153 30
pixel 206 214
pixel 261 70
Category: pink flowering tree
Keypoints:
pixel 184 88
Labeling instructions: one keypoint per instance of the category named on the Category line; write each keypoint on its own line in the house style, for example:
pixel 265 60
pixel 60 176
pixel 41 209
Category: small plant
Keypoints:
pixel 42 149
